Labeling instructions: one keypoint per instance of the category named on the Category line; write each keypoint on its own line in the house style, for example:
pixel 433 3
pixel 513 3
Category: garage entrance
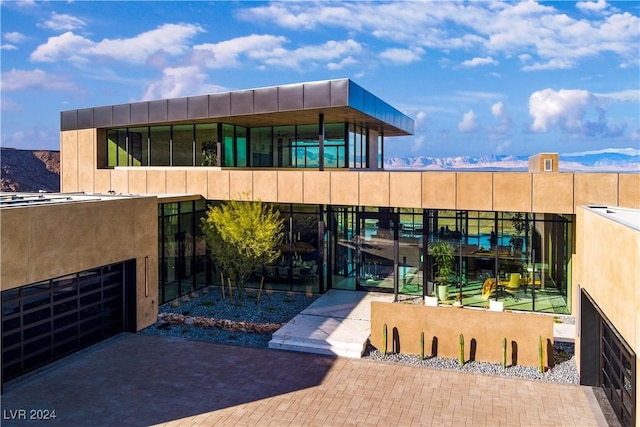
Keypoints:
pixel 45 321
pixel 607 361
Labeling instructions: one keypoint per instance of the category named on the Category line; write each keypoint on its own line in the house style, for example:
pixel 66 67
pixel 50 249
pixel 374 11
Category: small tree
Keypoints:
pixel 242 236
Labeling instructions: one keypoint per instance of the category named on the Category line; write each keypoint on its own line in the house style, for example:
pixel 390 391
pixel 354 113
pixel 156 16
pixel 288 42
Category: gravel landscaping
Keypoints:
pixel 181 317
pixel 275 307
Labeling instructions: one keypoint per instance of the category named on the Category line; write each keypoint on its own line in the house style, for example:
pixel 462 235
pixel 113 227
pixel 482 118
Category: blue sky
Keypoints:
pixel 479 78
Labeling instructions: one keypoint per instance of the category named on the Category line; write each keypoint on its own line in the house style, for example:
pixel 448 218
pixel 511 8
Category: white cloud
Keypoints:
pixel 468 123
pixel 542 36
pixel 228 53
pixel 524 58
pixel 7 46
pixel 501 129
pixel 592 6
pixel 343 63
pixel 168 38
pixel 476 62
pixel 26 3
pixel 34 79
pixel 402 56
pixel 307 56
pixel 418 143
pixel 8 105
pixel 62 22
pixel 67 46
pixel 629 95
pixel 14 37
pixel 571 111
pixel 564 109
pixel 179 81
pixel 503 146
pixel 497 110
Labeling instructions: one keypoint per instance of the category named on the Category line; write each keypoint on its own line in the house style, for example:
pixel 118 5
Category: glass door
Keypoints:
pixel 377 250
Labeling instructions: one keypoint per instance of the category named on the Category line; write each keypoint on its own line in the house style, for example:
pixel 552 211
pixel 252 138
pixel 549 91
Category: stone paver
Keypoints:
pixel 149 380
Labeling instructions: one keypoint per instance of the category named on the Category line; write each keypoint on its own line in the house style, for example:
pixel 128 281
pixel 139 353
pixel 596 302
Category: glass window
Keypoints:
pixel 241 146
pixel 284 136
pixel 117 147
pixel 139 146
pixel 160 143
pixel 182 138
pixel 306 147
pixel 261 147
pixel 227 145
pixel 206 132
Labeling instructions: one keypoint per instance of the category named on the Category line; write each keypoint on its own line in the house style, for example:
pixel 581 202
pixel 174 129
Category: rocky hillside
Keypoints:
pixel 29 170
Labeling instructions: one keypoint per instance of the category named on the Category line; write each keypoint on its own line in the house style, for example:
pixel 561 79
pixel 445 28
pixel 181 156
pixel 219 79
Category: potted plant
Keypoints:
pixel 444 260
pixel 210 153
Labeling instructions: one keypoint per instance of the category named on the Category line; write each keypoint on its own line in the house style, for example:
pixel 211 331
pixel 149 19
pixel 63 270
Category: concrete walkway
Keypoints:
pixel 139 380
pixel 338 323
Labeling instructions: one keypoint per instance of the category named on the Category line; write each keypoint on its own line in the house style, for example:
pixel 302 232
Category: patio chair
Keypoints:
pixel 513 286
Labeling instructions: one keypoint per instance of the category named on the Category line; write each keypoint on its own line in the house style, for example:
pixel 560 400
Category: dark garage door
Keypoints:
pixel 45 321
pixel 607 360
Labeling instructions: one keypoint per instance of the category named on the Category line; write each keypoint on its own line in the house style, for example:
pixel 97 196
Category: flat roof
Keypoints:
pixel 625 216
pixel 339 100
pixel 13 200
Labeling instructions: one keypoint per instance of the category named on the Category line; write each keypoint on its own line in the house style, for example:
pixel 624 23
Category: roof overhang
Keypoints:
pixel 302 103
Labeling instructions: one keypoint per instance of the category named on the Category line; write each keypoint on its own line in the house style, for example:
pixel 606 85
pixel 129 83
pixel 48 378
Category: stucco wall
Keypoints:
pixel 533 191
pixel 46 241
pixel 487 328
pixel 607 266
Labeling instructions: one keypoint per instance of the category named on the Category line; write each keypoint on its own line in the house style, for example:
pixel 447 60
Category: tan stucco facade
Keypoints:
pixel 540 192
pixel 607 266
pixel 46 241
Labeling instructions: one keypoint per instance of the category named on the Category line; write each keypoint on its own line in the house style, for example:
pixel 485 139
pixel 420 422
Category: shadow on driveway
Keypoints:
pixel 136 379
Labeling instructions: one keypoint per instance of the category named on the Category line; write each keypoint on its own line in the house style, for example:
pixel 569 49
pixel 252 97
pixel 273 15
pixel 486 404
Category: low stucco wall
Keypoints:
pixel 483 332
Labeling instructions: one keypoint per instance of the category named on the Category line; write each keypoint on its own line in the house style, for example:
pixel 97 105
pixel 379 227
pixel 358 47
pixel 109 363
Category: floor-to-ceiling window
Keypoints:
pixel 182 145
pixel 290 146
pixel 206 133
pixel 301 256
pixel 160 142
pixel 521 259
pixel 181 248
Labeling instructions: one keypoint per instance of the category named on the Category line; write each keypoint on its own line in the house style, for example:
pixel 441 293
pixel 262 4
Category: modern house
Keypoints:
pixel 315 151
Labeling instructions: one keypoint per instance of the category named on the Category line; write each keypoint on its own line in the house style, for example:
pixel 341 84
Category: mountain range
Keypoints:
pixel 608 160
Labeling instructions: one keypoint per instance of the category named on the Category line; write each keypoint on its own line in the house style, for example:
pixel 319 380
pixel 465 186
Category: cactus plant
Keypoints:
pixel 504 353
pixel 384 339
pixel 461 353
pixel 421 345
pixel 540 355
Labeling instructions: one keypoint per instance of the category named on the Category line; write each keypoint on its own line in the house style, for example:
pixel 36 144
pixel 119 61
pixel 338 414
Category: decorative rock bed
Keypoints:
pixel 210 323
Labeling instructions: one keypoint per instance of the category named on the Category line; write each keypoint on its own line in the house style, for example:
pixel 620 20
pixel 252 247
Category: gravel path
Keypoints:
pixel 280 307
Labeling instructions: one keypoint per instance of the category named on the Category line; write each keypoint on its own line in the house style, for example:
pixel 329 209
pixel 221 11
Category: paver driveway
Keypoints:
pixel 146 380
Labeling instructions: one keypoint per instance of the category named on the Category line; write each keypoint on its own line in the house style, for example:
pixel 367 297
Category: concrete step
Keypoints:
pixel 323 335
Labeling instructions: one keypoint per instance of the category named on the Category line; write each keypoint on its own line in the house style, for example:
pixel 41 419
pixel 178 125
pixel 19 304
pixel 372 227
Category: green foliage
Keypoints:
pixel 444 260
pixel 209 153
pixel 242 236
